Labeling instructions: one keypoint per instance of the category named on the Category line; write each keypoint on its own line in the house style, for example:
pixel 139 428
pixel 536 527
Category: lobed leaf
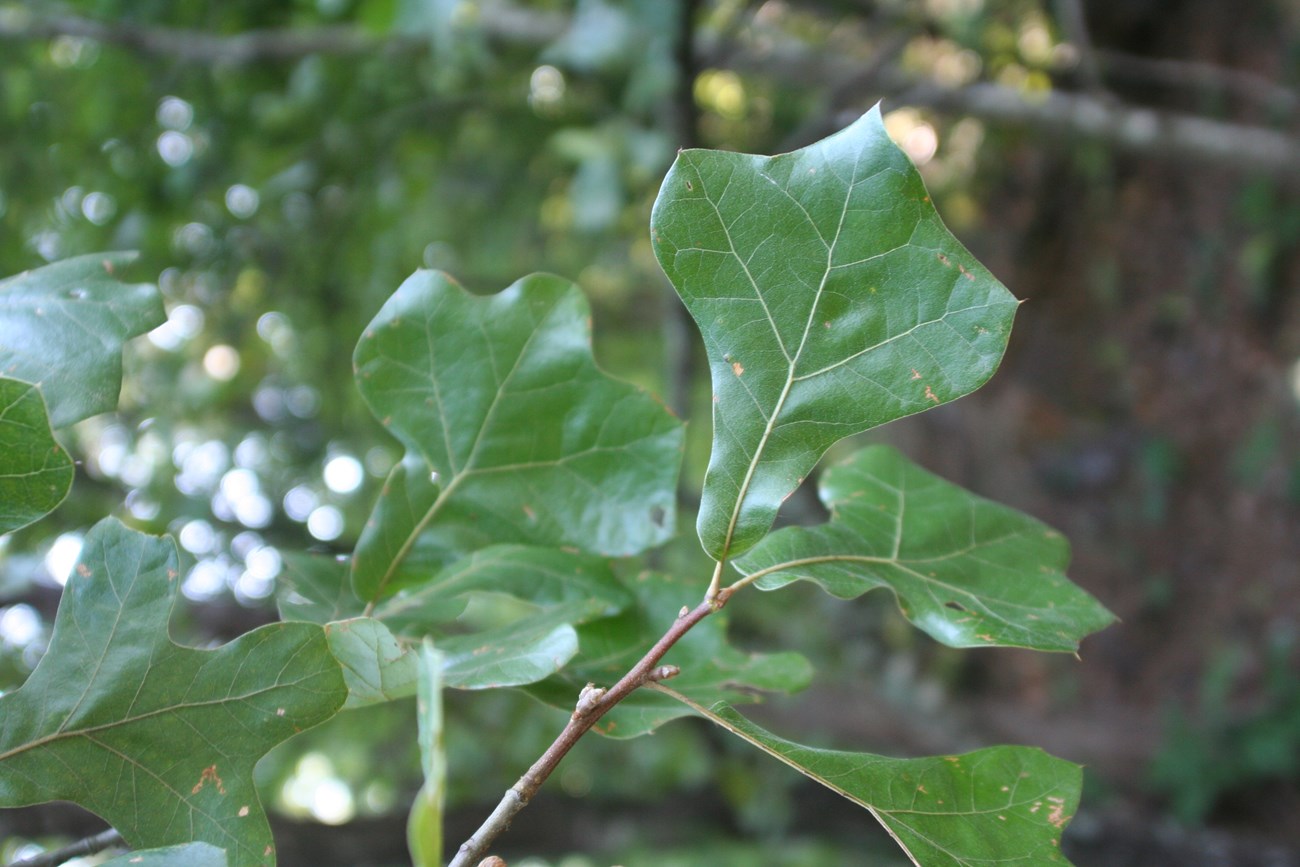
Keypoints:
pixel 500 396
pixel 159 740
pixel 995 806
pixel 35 472
pixel 831 299
pixel 967 571
pixel 62 327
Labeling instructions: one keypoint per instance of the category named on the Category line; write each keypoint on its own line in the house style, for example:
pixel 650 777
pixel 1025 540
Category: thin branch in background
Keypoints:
pixel 1074 26
pixel 1281 103
pixel 1166 135
pixel 678 330
pixel 109 839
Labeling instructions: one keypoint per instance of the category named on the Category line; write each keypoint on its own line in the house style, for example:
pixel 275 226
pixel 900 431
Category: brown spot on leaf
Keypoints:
pixel 83 570
pixel 243 811
pixel 916 374
pixel 209 775
pixel 689 186
pixel 930 395
pixel 737 368
pixel 528 510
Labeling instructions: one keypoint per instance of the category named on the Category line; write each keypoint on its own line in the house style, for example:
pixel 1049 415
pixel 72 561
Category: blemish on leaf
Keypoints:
pixel 916 374
pixel 689 186
pixel 737 368
pixel 209 775
pixel 243 811
pixel 279 711
pixel 528 510
pixel 826 324
pixel 930 395
pixel 83 570
pixel 944 260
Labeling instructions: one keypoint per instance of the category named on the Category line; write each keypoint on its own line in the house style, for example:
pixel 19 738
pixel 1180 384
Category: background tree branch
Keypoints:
pixel 1091 116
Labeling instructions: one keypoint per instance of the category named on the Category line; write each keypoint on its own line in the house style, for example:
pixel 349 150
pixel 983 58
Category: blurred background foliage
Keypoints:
pixel 1132 169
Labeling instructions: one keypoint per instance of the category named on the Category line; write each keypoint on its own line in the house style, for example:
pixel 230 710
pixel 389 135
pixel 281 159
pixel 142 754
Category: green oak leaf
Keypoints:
pixel 316 589
pixel 969 572
pixel 375 667
pixel 523 652
pixel 560 588
pixel 999 805
pixel 545 577
pixel 62 327
pixel 711 668
pixel 35 472
pixel 831 299
pixel 532 443
pixel 157 739
pixel 424 822
pixel 188 855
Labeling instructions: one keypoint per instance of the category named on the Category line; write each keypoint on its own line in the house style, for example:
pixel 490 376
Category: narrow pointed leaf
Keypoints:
pixel 189 855
pixel 157 739
pixel 424 823
pixel 970 572
pixel 375 667
pixel 35 472
pixel 831 299
pixel 500 396
pixel 62 327
pixel 711 668
pixel 995 806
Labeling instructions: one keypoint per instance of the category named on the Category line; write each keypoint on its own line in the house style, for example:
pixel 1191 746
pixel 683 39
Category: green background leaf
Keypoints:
pixel 424 823
pixel 375 667
pixel 189 855
pixel 35 472
pixel 969 572
pixel 157 739
pixel 501 397
pixel 62 327
pixel 1000 805
pixel 831 299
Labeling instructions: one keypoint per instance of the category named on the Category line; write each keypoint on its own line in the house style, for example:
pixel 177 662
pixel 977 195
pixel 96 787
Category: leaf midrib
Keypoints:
pixel 66 734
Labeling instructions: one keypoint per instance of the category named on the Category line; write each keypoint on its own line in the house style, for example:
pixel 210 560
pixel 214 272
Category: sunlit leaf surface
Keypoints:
pixel 62 327
pixel 831 299
pixel 970 572
pixel 159 740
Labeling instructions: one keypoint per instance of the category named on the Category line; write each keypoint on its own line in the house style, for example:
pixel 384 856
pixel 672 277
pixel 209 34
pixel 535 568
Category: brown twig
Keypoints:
pixel 593 703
